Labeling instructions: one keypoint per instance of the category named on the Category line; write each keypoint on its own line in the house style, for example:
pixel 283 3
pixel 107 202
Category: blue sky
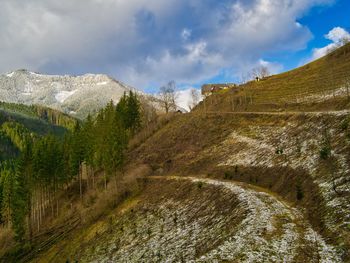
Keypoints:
pixel 320 20
pixel 146 43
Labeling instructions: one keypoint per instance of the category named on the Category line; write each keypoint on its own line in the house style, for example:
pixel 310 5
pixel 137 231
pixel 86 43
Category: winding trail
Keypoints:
pixel 272 229
pixel 192 219
pixel 281 113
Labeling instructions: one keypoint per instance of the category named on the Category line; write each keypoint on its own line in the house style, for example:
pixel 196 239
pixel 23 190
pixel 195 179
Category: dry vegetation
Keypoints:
pixel 320 85
pixel 300 160
pixel 277 152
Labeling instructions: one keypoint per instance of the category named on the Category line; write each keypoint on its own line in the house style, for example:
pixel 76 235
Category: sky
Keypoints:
pixel 147 43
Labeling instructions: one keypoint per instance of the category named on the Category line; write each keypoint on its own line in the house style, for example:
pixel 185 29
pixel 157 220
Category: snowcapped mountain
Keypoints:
pixel 75 95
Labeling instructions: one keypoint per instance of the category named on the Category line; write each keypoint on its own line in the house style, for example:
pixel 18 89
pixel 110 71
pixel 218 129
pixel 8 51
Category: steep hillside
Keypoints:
pixel 37 120
pixel 247 187
pixel 321 85
pixel 75 95
pixel 197 220
pixel 237 180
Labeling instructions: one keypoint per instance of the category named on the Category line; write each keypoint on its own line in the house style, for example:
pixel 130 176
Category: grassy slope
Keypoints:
pixel 294 90
pixel 244 147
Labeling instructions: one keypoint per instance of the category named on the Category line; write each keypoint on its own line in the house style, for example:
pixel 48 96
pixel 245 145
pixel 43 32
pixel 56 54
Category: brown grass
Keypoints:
pixel 280 92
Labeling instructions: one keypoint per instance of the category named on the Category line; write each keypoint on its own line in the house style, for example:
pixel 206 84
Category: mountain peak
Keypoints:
pixel 79 94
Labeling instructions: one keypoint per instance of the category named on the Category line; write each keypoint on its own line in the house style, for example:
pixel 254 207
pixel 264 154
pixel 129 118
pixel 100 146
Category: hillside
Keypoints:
pixel 74 95
pixel 261 183
pixel 37 120
pixel 320 85
pixel 217 185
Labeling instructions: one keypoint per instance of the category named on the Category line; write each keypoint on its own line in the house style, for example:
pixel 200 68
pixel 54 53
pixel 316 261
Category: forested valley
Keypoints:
pixel 40 169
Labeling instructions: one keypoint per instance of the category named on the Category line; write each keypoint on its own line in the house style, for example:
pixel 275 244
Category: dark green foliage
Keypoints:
pixel 228 175
pixel 18 134
pixel 77 150
pixel 14 194
pixel 45 114
pixel 344 125
pixel 19 204
pixel 47 163
pixel 325 152
pixel 128 110
pixel 7 149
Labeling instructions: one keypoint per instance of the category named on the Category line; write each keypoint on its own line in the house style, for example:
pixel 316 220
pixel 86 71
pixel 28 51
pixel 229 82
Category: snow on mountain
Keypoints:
pixel 63 95
pixel 80 95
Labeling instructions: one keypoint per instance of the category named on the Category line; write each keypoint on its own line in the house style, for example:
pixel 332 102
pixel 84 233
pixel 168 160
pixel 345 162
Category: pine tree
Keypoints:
pixel 19 205
pixel 133 114
pixel 7 183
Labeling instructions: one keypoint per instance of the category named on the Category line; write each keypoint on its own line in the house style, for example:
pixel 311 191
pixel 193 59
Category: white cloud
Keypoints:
pixel 274 67
pixel 138 41
pixel 186 34
pixel 184 97
pixel 336 35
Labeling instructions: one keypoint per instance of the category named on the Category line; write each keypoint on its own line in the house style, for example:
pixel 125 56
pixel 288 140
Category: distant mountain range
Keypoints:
pixel 75 95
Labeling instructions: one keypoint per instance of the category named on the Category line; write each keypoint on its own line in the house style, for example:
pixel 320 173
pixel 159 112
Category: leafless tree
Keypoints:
pixel 245 77
pixel 168 96
pixel 347 86
pixel 195 98
pixel 344 41
pixel 260 72
pixel 340 43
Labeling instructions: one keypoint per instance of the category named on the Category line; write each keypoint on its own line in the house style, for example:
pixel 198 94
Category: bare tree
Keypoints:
pixel 338 44
pixel 347 86
pixel 195 98
pixel 245 77
pixel 260 72
pixel 344 41
pixel 168 96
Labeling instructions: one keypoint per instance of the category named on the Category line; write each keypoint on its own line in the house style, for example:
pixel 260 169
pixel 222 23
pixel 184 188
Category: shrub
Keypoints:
pixel 344 124
pixel 300 192
pixel 279 151
pixel 325 152
pixel 200 185
pixel 228 175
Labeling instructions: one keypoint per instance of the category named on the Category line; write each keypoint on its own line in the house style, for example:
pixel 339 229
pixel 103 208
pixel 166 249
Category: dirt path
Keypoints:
pixel 190 219
pixel 283 113
pixel 272 230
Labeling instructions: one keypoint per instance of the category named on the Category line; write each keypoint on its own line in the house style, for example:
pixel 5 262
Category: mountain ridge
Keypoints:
pixel 74 95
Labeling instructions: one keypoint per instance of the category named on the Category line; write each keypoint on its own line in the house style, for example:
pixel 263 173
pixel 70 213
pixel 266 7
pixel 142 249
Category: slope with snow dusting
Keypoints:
pixel 199 220
pixel 76 95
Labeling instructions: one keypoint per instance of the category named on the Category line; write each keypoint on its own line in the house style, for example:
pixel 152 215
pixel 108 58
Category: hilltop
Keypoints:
pixel 323 84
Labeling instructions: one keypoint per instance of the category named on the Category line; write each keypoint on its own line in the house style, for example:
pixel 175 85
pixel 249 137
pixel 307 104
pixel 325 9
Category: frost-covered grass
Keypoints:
pixel 297 145
pixel 219 221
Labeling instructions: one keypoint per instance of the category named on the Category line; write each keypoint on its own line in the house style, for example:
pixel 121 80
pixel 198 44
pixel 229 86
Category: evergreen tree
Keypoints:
pixel 7 183
pixel 19 205
pixel 133 114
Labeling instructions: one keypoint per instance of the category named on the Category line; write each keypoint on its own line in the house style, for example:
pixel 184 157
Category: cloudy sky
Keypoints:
pixel 146 43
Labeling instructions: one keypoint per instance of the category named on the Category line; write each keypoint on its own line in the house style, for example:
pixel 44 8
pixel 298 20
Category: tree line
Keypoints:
pixel 31 184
